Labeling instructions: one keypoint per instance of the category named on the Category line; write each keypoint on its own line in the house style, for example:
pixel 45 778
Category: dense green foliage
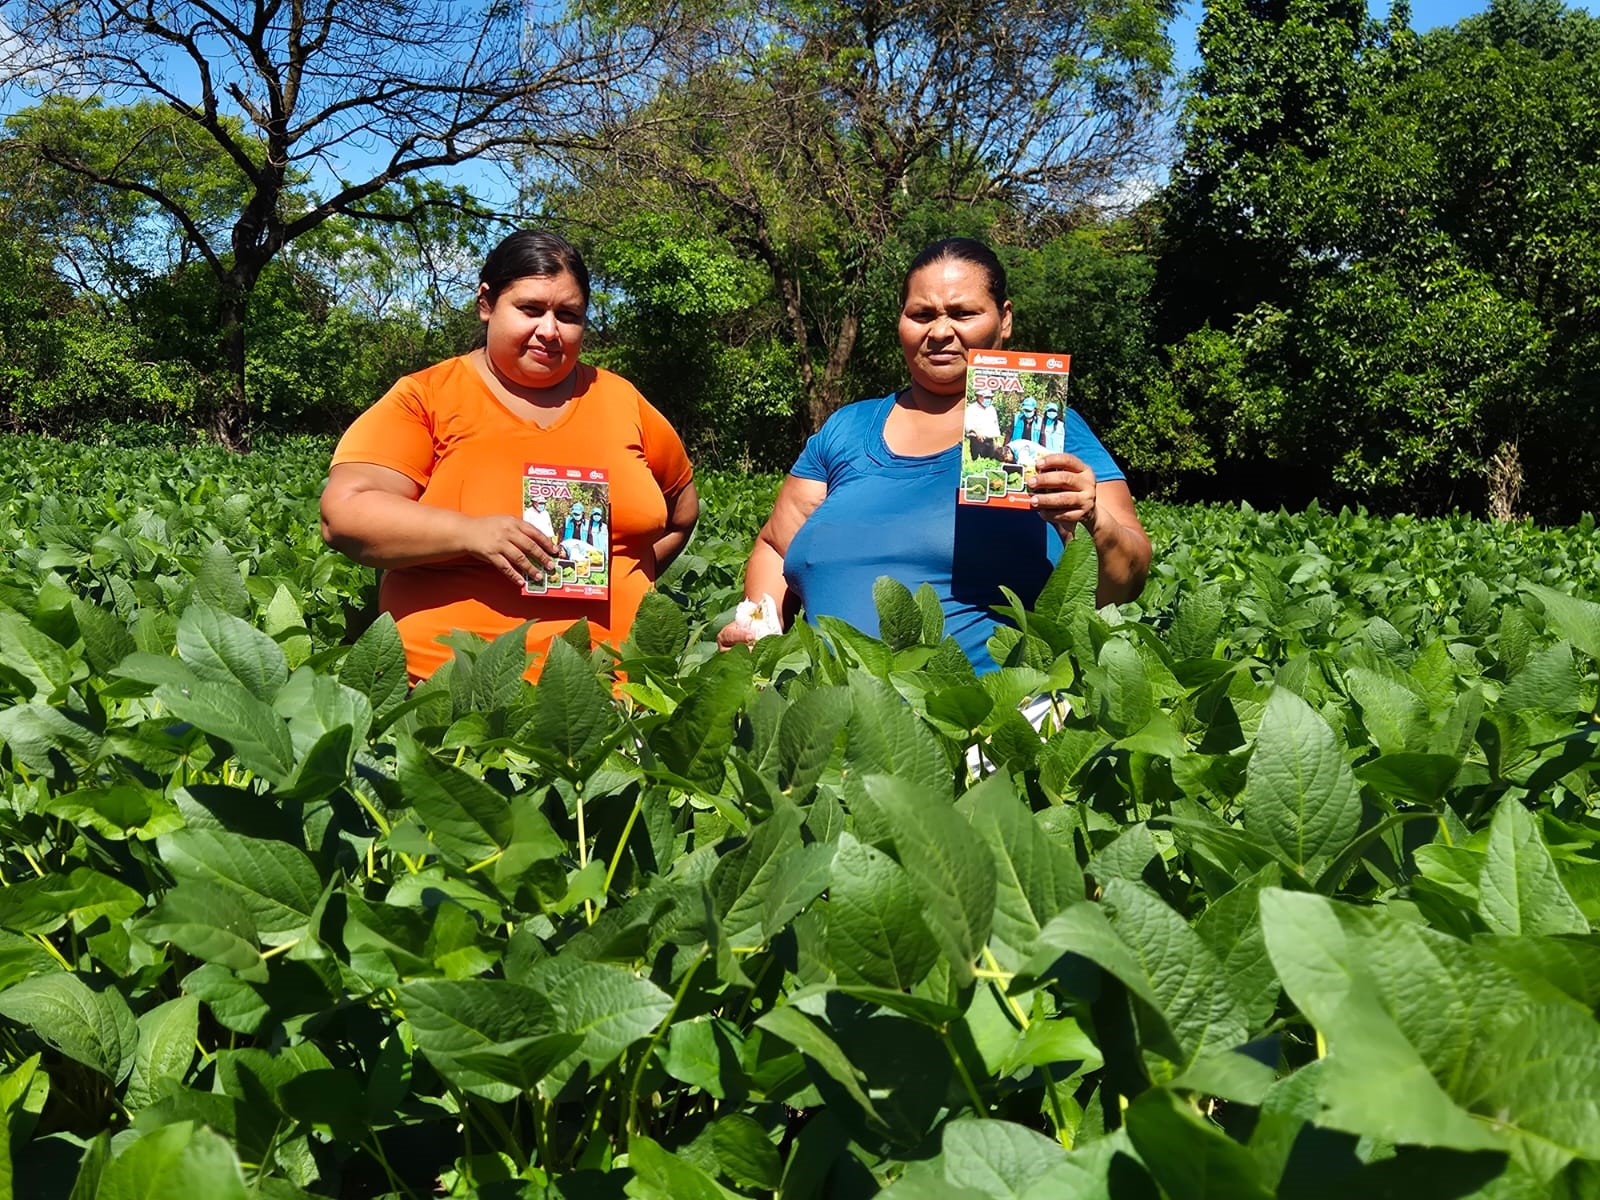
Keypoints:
pixel 1379 259
pixel 1294 895
pixel 1371 277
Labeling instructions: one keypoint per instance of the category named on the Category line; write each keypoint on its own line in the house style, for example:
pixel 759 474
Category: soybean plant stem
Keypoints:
pixel 995 976
pixel 583 854
pixel 632 1098
pixel 622 843
pixel 966 1077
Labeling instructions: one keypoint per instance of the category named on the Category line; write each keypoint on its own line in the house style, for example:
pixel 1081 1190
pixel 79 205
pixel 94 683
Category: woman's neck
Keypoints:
pixel 919 398
pixel 541 397
pixel 542 406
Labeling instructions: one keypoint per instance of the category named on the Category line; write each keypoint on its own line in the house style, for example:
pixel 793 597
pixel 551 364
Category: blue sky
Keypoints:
pixel 1425 15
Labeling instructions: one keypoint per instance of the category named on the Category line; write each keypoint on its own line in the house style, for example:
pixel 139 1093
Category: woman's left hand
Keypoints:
pixel 1064 492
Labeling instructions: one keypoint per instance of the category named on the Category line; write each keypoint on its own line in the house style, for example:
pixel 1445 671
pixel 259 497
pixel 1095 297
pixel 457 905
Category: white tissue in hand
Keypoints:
pixel 760 617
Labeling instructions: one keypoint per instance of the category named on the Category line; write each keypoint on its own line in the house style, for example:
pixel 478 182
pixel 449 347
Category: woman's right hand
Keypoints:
pixel 734 634
pixel 511 546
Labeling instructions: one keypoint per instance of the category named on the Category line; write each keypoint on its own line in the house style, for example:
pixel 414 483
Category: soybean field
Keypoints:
pixel 1294 895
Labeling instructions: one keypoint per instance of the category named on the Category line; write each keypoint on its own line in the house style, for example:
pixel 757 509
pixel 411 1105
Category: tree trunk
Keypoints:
pixel 826 398
pixel 230 413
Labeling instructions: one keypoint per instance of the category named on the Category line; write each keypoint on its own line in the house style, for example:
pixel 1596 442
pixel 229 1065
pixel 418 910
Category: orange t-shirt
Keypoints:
pixel 443 429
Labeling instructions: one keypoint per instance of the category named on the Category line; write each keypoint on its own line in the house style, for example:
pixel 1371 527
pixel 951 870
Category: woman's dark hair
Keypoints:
pixel 962 250
pixel 532 252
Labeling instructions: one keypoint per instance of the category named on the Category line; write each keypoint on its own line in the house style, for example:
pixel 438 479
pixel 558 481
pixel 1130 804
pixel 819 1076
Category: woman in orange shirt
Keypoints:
pixel 429 484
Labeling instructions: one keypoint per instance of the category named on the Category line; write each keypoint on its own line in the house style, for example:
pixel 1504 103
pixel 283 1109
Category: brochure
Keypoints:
pixel 1016 411
pixel 573 506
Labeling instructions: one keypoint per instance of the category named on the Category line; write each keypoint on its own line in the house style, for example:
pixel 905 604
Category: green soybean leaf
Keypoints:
pixel 106 640
pixel 236 1004
pixel 807 734
pixel 220 648
pixel 932 614
pixel 83 896
pixel 117 811
pixel 1548 683
pixel 1134 936
pixel 996 1158
pixel 37 733
pixel 899 617
pixel 1574 619
pixel 21 957
pixel 1519 890
pixel 1395 717
pixel 1051 1043
pixel 608 1006
pixel 703 1053
pixel 1197 624
pixel 497 679
pixel 218 582
pixel 1192 995
pixel 277 882
pixel 166 1048
pixel 1035 877
pixel 182 1159
pixel 765 881
pixel 805 1035
pixel 1300 796
pixel 1420 778
pixel 376 665
pixel 1191 1158
pixel 1067 597
pixel 744 1152
pixel 34 655
pixel 949 868
pixel 96 1029
pixel 1568 964
pixel 875 931
pixel 208 921
pixel 257 734
pixel 1374 1080
pixel 1123 699
pixel 572 714
pixel 884 737
pixel 660 627
pixel 661 1175
pixel 315 705
pixel 1231 926
pixel 460 1024
pixel 695 743
pixel 465 817
pixel 523 1063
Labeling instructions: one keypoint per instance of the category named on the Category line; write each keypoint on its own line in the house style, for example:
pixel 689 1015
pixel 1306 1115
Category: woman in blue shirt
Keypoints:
pixel 874 491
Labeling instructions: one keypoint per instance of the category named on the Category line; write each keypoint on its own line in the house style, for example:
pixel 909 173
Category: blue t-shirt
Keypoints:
pixel 896 515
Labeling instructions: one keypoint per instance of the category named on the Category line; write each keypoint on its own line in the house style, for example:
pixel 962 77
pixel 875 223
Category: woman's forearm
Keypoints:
pixel 1124 554
pixel 763 576
pixel 683 511
pixel 668 546
pixel 380 529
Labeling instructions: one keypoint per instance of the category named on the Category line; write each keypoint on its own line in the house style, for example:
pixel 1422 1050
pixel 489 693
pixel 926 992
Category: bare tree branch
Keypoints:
pixel 292 89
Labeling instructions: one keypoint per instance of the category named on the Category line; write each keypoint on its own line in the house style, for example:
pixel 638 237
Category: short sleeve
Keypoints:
pixel 663 450
pixel 814 457
pixel 396 432
pixel 1080 440
pixel 820 458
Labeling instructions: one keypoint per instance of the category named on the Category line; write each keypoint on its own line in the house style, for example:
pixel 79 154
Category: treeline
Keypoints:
pixel 1370 272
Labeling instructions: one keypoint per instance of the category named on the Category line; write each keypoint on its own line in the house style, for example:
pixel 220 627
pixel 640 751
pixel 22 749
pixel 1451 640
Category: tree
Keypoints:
pixel 1385 301
pixel 106 240
pixel 1274 79
pixel 806 136
pixel 296 93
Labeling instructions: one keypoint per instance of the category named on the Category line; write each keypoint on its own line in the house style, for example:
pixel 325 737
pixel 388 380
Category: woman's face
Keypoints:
pixel 534 328
pixel 948 311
